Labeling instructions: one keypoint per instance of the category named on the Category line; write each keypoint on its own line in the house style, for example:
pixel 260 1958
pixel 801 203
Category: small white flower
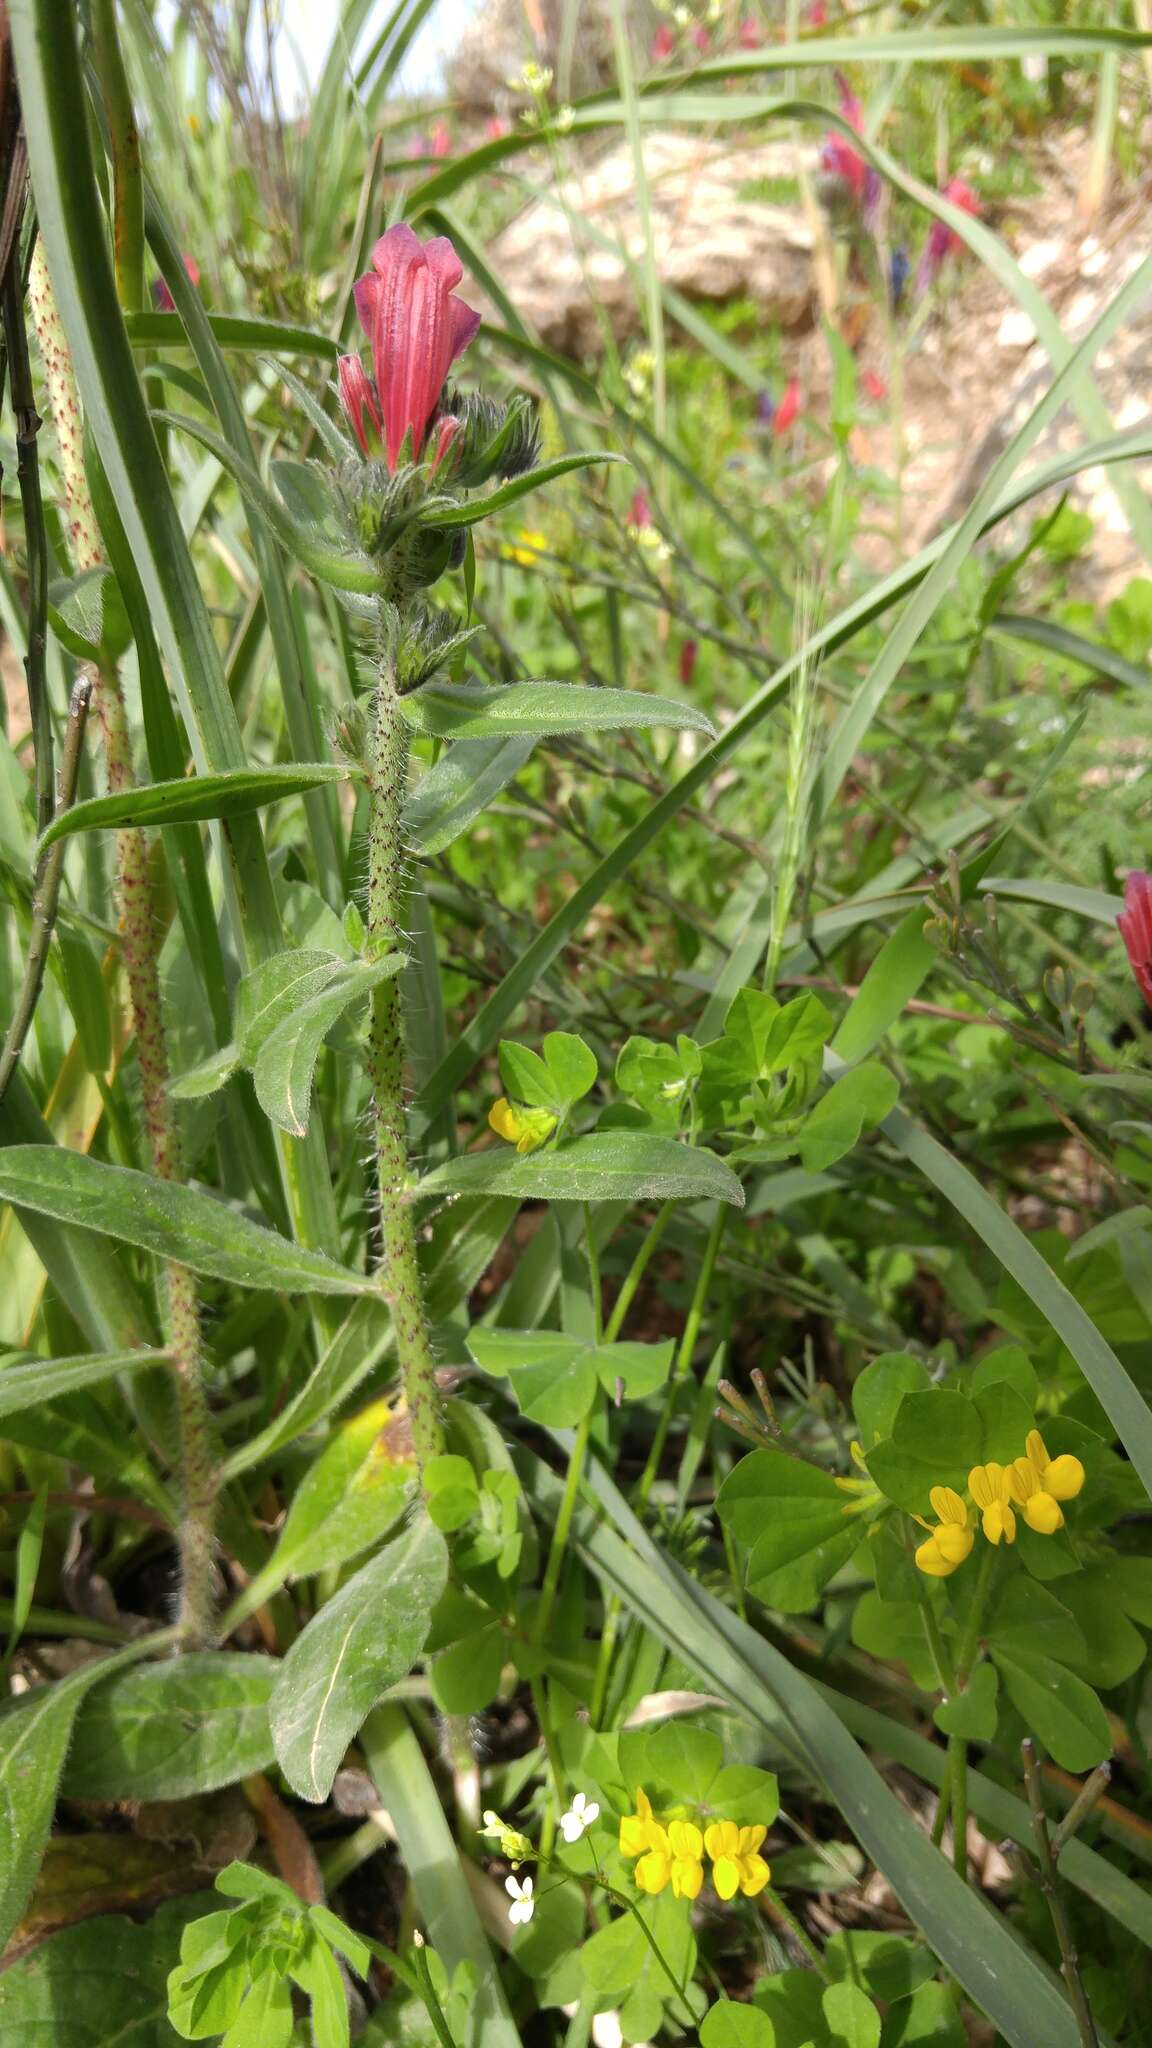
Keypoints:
pixel 580 1815
pixel 523 1904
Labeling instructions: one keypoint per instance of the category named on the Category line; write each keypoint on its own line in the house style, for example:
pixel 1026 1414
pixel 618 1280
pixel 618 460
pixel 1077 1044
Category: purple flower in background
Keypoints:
pixel 765 409
pixel 898 278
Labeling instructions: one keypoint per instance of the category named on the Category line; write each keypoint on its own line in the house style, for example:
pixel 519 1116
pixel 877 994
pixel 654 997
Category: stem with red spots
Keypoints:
pixel 388 778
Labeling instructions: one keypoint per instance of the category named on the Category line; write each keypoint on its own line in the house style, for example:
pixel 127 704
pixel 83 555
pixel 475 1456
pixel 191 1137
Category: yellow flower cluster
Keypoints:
pixel 1034 1484
pixel 673 1853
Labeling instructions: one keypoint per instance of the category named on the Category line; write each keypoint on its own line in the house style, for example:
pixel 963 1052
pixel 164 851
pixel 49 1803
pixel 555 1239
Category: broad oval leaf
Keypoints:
pixel 32 1380
pixel 286 1061
pixel 99 1984
pixel 185 1726
pixel 193 798
pixel 174 1222
pixel 1056 1706
pixel 512 710
pixel 359 1645
pixel 608 1166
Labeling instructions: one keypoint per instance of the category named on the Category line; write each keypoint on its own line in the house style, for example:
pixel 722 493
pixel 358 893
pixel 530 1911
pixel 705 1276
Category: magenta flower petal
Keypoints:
pixel 416 330
pixel 357 397
pixel 1135 928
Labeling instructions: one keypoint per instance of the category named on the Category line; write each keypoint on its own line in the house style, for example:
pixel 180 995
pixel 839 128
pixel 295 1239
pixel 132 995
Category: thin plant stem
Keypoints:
pixel 945 1671
pixel 27 422
pixel 1049 1883
pixel 47 897
pixel 636 1272
pixel 687 1347
pixel 563 1526
pixel 400 1271
pixel 139 925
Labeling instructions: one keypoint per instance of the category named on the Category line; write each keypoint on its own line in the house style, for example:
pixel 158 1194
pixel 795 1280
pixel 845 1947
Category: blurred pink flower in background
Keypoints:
pixel 161 296
pixel 687 662
pixel 1135 927
pixel 663 44
pixel 441 139
pixel 416 330
pixel 788 410
pixel 941 238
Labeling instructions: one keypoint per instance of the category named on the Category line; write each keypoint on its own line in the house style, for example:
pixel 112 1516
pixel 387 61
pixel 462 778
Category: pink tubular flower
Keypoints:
pixel 839 160
pixel 701 38
pixel 874 387
pixel 416 329
pixel 1135 928
pixel 788 410
pixel 663 44
pixel 749 35
pixel 161 296
pixel 441 139
pixel 639 512
pixel 687 662
pixel 941 238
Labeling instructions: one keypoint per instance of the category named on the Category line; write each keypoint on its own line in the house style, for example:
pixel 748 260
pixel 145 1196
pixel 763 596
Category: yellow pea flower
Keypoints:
pixel 1062 1477
pixel 667 1855
pixel 736 1865
pixel 1041 1510
pixel 951 1541
pixel 638 1829
pixel 990 1489
pixel 686 1845
pixel 525 1128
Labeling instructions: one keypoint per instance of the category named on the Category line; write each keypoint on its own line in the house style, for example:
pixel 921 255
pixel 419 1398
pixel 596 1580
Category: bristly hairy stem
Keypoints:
pixel 388 779
pixel 138 927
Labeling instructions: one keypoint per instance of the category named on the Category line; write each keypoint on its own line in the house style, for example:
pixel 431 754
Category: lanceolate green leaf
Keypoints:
pixel 469 514
pixel 174 1222
pixel 449 710
pixel 232 331
pixel 31 1380
pixel 361 1642
pixel 1120 1398
pixel 608 1166
pixel 286 1061
pixel 462 783
pixel 193 799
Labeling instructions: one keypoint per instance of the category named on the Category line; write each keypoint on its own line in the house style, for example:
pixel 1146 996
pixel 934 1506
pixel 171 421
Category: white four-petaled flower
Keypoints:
pixel 523 1904
pixel 580 1815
